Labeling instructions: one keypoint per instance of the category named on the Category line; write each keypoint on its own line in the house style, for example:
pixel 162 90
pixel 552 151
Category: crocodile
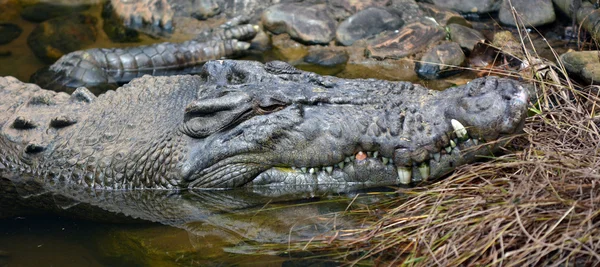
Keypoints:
pixel 248 124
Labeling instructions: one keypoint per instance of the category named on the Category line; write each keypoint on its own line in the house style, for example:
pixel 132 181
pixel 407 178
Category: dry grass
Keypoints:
pixel 537 205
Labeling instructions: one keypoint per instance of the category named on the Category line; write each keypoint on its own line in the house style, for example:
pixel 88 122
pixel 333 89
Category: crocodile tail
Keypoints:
pixel 74 70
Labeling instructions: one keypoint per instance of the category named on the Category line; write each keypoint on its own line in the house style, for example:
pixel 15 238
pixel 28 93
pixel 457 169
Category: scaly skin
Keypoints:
pixel 244 124
pixel 106 67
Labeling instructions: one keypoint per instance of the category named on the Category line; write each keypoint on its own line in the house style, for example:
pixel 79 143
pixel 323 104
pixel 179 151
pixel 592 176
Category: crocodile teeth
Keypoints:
pixel 404 175
pixel 329 169
pixel 341 165
pixel 375 154
pixel 475 141
pixel 385 160
pixel 303 169
pixel 347 159
pixel 311 170
pixel 424 171
pixel 459 129
pixel 448 149
pixel 452 143
pixel 436 156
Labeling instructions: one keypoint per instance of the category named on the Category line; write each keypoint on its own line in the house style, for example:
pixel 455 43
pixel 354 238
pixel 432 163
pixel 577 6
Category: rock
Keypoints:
pixel 261 42
pixel 9 10
pixel 390 69
pixel 470 6
pixel 589 19
pixel 443 16
pixel 200 9
pixel 308 24
pixel 9 32
pixel 137 13
pixel 113 26
pixel 466 37
pixel 341 9
pixel 287 49
pixel 410 39
pixel 327 57
pixel 43 11
pixel 568 7
pixel 324 60
pixel 507 43
pixel 533 13
pixel 441 61
pixel 409 10
pixel 53 38
pixel 367 23
pixel 249 8
pixel 585 64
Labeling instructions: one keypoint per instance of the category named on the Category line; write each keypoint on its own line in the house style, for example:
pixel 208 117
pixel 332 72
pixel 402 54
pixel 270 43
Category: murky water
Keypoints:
pixel 193 228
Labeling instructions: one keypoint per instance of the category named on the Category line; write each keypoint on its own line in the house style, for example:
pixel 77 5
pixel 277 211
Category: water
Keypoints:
pixel 191 228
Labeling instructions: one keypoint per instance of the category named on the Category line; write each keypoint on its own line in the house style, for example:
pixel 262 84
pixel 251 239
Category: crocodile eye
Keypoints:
pixel 269 105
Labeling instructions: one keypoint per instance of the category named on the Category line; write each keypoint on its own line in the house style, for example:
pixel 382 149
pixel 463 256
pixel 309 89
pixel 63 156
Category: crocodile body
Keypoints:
pixel 244 124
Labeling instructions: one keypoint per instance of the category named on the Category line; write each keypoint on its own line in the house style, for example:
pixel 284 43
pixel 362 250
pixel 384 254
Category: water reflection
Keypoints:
pixel 201 226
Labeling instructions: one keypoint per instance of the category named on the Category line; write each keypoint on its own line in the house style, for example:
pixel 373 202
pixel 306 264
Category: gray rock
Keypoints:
pixel 200 9
pixel 470 6
pixel 409 40
pixel 327 57
pixel 568 7
pixel 532 12
pixel 53 38
pixel 441 61
pixel 324 60
pixel 252 9
pixel 366 23
pixel 342 9
pixel 9 32
pixel 308 24
pixel 585 64
pixel 443 16
pixel 466 37
pixel 409 10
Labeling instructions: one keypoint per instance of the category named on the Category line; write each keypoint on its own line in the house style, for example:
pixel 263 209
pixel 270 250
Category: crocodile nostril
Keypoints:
pixel 34 148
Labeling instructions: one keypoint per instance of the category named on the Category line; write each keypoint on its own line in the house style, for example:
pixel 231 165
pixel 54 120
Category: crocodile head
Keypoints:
pixel 265 125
